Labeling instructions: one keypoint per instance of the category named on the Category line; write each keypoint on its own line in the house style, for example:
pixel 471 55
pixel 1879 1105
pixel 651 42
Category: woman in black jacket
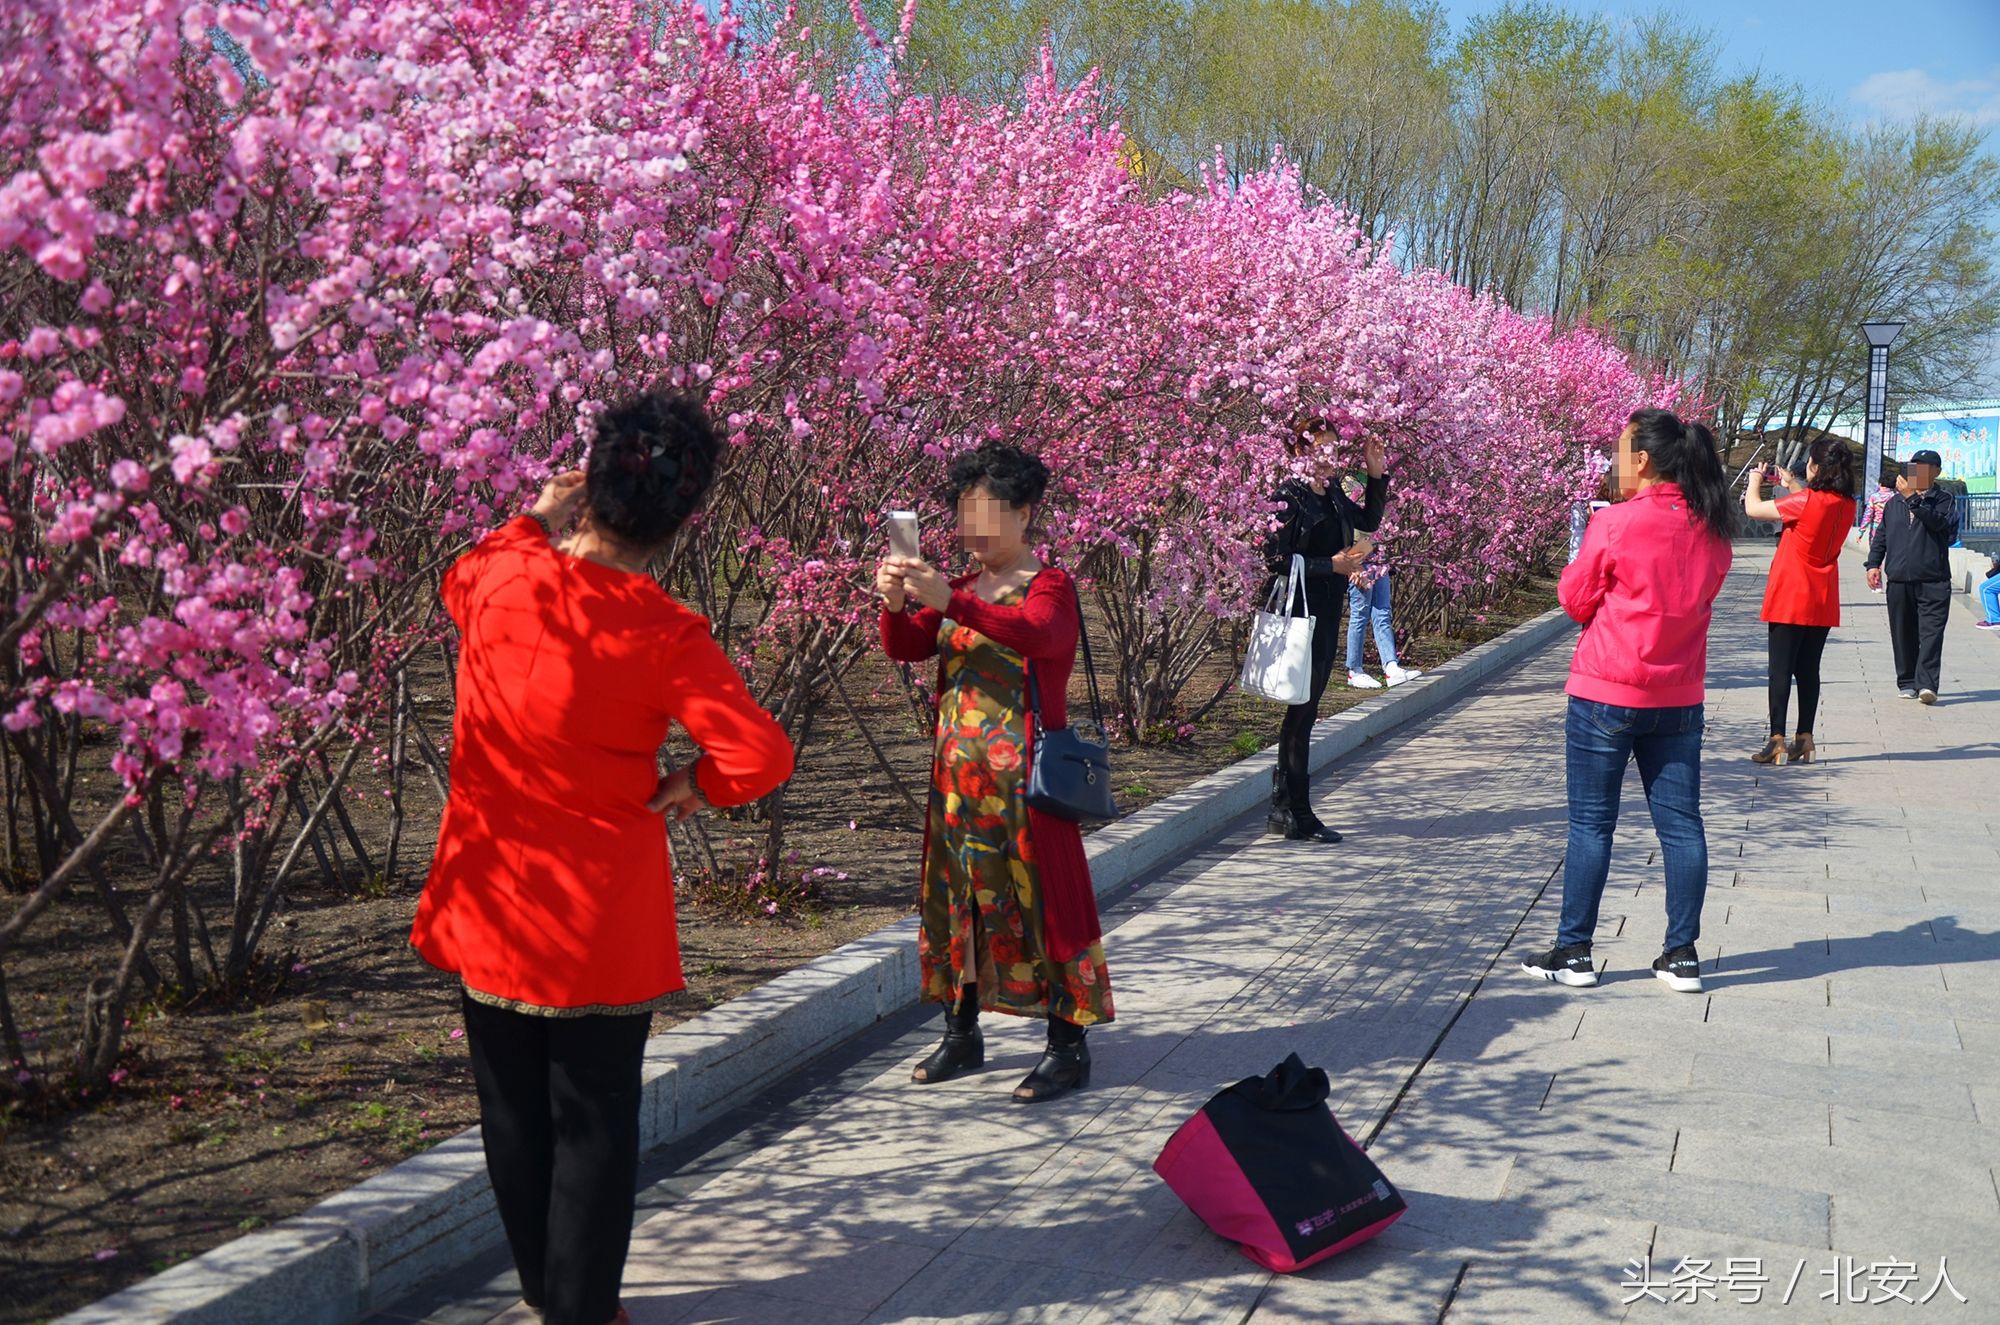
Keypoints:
pixel 1318 524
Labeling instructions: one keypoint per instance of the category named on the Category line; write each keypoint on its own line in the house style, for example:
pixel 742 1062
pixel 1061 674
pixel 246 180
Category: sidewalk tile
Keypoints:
pixel 1875 1089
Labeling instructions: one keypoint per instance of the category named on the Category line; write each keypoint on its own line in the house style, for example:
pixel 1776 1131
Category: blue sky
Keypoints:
pixel 1886 60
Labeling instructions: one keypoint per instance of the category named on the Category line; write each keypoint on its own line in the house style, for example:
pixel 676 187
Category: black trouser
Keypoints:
pixel 1918 610
pixel 1795 655
pixel 1289 790
pixel 559 1115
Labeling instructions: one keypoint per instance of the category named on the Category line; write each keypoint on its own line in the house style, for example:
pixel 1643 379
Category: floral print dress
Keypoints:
pixel 982 899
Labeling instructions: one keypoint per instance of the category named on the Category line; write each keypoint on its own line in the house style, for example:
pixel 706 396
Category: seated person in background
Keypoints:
pixel 1989 595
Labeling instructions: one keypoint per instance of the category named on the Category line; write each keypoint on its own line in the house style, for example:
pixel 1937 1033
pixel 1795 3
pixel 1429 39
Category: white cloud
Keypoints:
pixel 1902 94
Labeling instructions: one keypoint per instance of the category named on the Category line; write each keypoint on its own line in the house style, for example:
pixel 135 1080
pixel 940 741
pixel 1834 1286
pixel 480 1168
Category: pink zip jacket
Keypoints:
pixel 1643 586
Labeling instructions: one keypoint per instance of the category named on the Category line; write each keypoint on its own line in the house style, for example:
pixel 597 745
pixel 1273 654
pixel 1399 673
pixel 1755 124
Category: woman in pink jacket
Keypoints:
pixel 1642 586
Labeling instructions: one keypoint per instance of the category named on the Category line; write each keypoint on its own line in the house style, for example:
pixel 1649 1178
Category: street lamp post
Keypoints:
pixel 1879 335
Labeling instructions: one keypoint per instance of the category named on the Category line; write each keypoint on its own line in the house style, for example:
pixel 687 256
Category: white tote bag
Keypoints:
pixel 1277 662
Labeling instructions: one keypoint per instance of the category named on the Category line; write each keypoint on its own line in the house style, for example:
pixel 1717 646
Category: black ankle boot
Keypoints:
pixel 1065 1065
pixel 1299 826
pixel 963 1048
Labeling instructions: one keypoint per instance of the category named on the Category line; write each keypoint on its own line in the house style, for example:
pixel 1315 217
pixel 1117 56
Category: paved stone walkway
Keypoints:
pixel 1830 1105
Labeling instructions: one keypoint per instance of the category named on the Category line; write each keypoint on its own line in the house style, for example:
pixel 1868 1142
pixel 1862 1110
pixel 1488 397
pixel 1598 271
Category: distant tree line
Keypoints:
pixel 1729 228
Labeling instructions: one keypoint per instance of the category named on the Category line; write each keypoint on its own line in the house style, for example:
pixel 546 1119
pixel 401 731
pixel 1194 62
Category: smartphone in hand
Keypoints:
pixel 903 534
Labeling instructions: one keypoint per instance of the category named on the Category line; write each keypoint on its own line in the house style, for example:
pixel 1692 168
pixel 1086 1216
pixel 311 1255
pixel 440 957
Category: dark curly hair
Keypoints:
pixel 1014 476
pixel 1837 468
pixel 650 466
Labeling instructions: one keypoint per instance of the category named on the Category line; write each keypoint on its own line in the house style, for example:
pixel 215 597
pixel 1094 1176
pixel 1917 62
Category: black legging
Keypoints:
pixel 1795 654
pixel 1290 789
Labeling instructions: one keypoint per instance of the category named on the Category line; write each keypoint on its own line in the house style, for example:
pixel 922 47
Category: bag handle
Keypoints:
pixel 1295 588
pixel 1089 672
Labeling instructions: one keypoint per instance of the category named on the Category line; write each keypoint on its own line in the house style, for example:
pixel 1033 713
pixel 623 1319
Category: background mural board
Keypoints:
pixel 1968 443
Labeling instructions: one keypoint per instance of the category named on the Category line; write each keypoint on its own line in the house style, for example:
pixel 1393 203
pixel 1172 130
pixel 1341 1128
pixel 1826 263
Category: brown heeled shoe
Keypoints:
pixel 1772 753
pixel 1801 749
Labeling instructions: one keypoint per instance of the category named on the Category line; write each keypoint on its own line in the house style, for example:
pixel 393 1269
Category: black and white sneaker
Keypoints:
pixel 1680 968
pixel 1906 694
pixel 1566 966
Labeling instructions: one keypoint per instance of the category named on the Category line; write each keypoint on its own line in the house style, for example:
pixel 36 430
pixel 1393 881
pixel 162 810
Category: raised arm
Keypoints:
pixel 1937 511
pixel 1367 517
pixel 908 637
pixel 1788 509
pixel 1044 625
pixel 1282 543
pixel 1755 504
pixel 1587 580
pixel 745 754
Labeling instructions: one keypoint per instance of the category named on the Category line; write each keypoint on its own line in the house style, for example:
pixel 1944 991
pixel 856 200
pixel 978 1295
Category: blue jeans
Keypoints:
pixel 1989 598
pixel 1362 606
pixel 1602 739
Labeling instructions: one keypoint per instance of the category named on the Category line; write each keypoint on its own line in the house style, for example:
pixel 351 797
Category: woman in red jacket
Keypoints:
pixel 1009 917
pixel 1802 597
pixel 1644 586
pixel 550 895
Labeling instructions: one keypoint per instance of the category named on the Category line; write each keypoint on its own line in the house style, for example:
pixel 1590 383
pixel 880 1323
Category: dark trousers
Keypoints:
pixel 559 1115
pixel 1289 789
pixel 1795 656
pixel 1918 610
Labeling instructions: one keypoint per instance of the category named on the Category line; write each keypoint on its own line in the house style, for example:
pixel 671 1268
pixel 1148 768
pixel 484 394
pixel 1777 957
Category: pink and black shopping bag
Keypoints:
pixel 1266 1165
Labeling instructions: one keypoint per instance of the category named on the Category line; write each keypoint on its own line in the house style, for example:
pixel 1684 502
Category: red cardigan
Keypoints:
pixel 1042 629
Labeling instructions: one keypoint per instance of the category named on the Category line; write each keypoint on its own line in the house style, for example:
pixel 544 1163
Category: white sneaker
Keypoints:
pixel 1363 681
pixel 1398 675
pixel 1927 696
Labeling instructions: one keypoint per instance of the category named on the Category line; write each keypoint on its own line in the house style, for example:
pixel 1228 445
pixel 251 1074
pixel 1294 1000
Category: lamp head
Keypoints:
pixel 1879 334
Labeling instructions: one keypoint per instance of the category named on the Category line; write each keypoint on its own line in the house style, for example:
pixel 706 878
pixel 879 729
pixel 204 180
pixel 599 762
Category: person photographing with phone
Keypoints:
pixel 1327 528
pixel 551 894
pixel 1910 558
pixel 1643 588
pixel 1802 595
pixel 1009 915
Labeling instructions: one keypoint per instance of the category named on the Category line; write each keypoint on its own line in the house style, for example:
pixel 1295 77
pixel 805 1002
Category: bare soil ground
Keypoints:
pixel 228 1118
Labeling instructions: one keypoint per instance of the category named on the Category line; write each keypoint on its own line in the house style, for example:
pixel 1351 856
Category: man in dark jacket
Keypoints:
pixel 1911 551
pixel 1318 524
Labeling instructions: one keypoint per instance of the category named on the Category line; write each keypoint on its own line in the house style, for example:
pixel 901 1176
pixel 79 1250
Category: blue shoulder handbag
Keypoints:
pixel 1068 776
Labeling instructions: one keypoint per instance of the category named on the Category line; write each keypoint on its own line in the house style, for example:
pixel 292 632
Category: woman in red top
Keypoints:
pixel 550 895
pixel 1009 917
pixel 1802 597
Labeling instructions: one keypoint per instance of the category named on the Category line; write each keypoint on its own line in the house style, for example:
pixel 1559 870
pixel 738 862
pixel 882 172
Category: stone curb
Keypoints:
pixel 359 1250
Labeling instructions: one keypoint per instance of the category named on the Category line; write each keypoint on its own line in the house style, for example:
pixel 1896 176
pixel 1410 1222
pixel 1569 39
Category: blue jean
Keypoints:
pixel 1989 598
pixel 1364 605
pixel 1602 739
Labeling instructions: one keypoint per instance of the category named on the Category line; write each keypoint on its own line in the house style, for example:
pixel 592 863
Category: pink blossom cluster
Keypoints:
pixel 308 295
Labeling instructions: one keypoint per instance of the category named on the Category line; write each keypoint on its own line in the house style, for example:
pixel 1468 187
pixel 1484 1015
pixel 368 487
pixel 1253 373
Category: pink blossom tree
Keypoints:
pixel 301 299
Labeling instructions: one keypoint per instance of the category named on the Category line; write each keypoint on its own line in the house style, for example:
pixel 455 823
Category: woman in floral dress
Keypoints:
pixel 1009 917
